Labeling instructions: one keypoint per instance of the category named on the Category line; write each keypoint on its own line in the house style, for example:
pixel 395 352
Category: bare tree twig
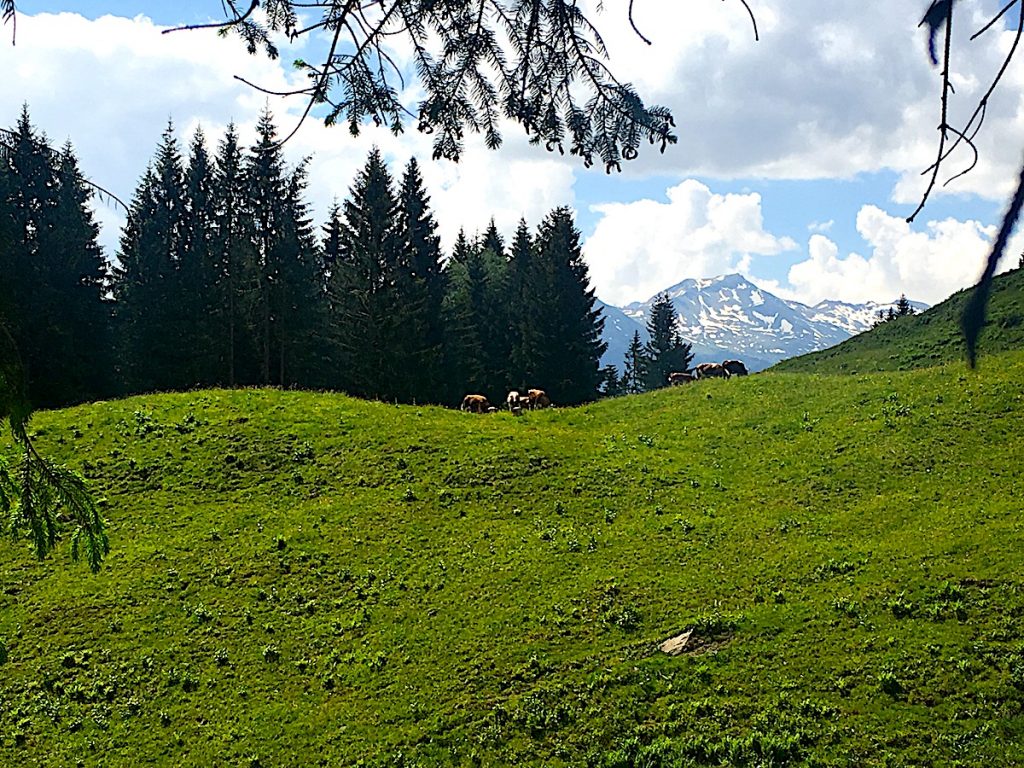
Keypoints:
pixel 219 25
pixel 943 124
pixel 752 19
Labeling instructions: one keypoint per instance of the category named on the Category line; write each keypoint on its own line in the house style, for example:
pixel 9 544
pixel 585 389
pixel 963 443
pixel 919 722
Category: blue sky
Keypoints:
pixel 799 155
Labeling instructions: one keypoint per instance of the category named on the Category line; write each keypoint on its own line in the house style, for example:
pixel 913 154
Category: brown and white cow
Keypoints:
pixel 537 398
pixel 474 404
pixel 680 377
pixel 710 371
pixel 515 401
pixel 735 367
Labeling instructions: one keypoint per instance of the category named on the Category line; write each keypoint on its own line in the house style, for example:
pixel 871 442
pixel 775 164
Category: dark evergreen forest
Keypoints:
pixel 222 279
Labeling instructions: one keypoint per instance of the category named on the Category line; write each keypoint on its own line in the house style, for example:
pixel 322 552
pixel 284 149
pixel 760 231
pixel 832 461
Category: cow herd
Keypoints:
pixel 517 402
pixel 724 370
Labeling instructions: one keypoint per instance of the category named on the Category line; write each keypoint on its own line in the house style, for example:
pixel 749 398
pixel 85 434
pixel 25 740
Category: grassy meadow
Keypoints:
pixel 304 579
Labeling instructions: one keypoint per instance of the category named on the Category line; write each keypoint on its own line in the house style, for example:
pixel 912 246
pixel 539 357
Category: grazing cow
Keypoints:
pixel 710 371
pixel 735 367
pixel 475 404
pixel 514 401
pixel 680 377
pixel 537 398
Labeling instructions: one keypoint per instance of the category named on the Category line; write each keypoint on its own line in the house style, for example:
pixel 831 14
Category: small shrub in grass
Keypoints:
pixel 889 683
pixel 271 653
pixel 846 607
pixel 900 607
pixel 834 567
pixel 220 657
pixel 4 654
pixel 189 682
pixel 1015 671
pixel 716 623
pixel 202 614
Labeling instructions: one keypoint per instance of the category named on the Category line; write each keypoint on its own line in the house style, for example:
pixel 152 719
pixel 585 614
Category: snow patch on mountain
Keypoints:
pixel 730 317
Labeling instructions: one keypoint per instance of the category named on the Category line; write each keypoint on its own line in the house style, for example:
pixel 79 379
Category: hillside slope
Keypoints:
pixel 306 579
pixel 930 338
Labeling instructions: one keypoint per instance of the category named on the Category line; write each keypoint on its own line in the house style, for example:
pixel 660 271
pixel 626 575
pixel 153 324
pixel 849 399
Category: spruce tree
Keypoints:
pixel 464 347
pixel 366 320
pixel 198 266
pixel 523 328
pixel 666 351
pixel 148 289
pixel 423 290
pixel 267 187
pixel 234 266
pixel 53 272
pixel 635 367
pixel 566 360
pixel 903 306
pixel 611 385
pixel 301 339
pixel 494 310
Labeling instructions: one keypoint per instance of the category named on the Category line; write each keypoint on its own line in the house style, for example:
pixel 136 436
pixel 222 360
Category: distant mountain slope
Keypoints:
pixel 930 338
pixel 729 316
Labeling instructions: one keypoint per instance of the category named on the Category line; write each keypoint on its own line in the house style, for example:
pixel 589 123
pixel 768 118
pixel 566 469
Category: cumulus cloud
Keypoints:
pixel 642 247
pixel 926 266
pixel 830 90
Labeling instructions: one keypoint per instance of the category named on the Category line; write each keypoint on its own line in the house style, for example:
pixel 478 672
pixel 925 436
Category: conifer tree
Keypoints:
pixel 235 271
pixel 366 322
pixel 611 385
pixel 494 311
pixel 566 360
pixel 198 268
pixel 523 328
pixel 666 351
pixel 147 285
pixel 424 289
pixel 635 367
pixel 53 272
pixel 464 347
pixel 301 340
pixel 903 306
pixel 267 186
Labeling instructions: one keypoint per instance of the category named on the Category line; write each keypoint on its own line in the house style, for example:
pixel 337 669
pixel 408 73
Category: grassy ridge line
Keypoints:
pixel 299 577
pixel 930 338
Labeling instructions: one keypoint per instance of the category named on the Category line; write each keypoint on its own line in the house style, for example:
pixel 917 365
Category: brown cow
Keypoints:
pixel 680 377
pixel 735 367
pixel 537 398
pixel 710 371
pixel 475 404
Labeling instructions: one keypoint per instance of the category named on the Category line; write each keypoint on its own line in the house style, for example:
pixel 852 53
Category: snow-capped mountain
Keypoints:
pixel 730 317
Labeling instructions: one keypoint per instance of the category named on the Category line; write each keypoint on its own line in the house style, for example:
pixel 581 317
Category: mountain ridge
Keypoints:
pixel 730 316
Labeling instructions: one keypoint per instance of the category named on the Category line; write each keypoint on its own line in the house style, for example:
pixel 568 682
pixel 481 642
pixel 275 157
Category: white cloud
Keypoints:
pixel 820 226
pixel 832 89
pixel 113 83
pixel 643 247
pixel 926 266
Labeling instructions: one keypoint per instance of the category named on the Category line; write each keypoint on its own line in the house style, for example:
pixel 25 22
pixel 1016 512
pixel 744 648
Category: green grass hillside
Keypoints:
pixel 930 338
pixel 303 579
